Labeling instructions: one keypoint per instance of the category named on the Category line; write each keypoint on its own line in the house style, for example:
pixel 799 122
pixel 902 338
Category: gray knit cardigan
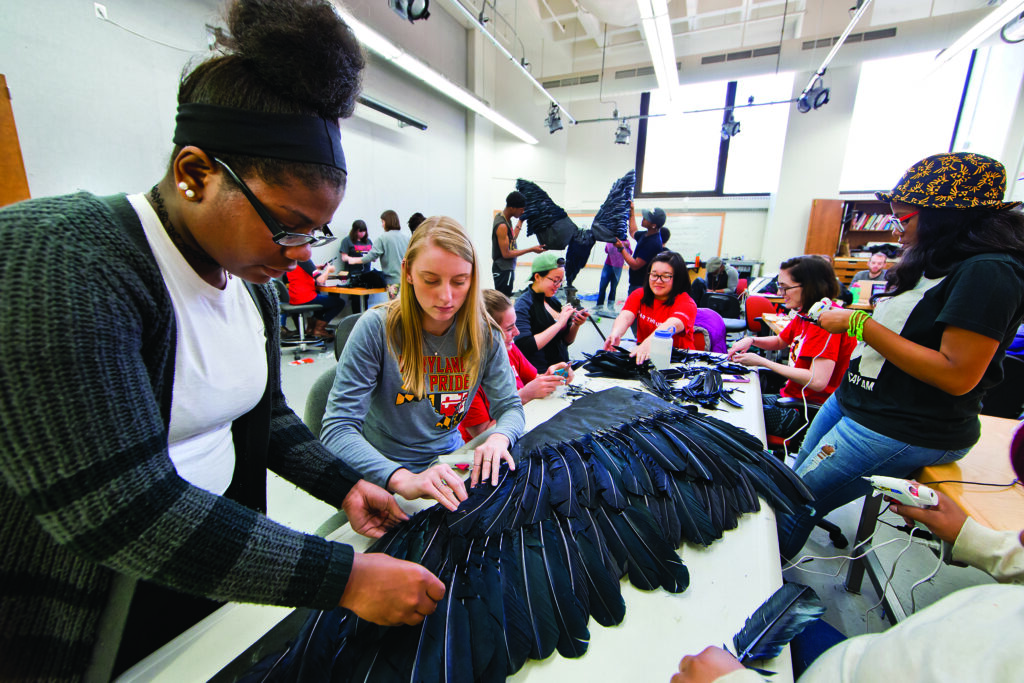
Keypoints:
pixel 88 490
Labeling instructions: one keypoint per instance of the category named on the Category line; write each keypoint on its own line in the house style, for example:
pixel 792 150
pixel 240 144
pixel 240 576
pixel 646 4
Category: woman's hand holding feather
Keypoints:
pixel 487 459
pixel 708 666
pixel 371 510
pixel 439 482
pixel 390 592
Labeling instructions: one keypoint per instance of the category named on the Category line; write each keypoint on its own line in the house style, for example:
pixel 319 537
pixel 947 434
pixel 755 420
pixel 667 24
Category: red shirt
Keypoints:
pixel 806 342
pixel 649 317
pixel 479 411
pixel 301 287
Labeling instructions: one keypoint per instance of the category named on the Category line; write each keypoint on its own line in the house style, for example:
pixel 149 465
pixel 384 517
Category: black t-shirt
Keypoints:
pixel 647 247
pixel 984 294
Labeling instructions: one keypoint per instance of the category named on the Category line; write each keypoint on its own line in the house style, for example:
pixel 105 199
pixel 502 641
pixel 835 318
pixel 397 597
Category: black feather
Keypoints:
pixel 776 622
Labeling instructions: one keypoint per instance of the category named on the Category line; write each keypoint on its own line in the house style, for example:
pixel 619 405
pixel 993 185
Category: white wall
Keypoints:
pixel 94 105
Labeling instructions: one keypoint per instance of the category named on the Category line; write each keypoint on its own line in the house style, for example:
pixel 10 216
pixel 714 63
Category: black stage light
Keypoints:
pixel 730 128
pixel 554 121
pixel 411 9
pixel 815 97
pixel 622 133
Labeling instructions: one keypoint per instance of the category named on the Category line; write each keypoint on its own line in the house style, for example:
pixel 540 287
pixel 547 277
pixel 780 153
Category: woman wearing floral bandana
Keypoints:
pixel 934 344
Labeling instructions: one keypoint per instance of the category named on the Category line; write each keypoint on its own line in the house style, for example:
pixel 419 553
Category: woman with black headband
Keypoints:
pixel 934 344
pixel 136 448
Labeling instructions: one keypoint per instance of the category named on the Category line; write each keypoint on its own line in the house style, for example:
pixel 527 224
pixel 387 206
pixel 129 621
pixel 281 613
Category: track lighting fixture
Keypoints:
pixel 554 121
pixel 815 97
pixel 411 9
pixel 622 133
pixel 730 128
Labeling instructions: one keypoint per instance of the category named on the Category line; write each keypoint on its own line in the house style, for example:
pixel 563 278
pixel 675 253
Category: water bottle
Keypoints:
pixel 661 348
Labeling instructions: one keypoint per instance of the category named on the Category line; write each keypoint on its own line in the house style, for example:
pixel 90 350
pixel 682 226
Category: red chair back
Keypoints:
pixel 741 286
pixel 756 306
pixel 700 339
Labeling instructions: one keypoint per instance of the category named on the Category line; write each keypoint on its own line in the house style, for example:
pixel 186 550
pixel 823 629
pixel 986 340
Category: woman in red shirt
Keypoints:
pixel 529 384
pixel 663 303
pixel 817 359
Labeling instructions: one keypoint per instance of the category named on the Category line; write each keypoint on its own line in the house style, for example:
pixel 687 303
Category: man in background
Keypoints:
pixel 648 244
pixel 876 269
pixel 503 242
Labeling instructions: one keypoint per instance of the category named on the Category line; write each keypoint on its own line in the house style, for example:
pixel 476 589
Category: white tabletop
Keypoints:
pixel 728 581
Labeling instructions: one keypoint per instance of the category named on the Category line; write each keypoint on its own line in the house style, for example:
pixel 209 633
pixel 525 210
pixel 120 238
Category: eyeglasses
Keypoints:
pixel 897 223
pixel 556 283
pixel 661 277
pixel 784 288
pixel 277 231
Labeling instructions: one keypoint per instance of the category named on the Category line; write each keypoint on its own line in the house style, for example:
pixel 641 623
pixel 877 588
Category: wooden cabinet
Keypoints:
pixel 834 221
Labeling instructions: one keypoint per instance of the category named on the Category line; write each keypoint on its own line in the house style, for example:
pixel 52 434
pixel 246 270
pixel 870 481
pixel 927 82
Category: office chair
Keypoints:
pixel 727 306
pixel 754 307
pixel 316 401
pixel 1006 399
pixel 713 327
pixel 778 446
pixel 741 286
pixel 342 333
pixel 296 312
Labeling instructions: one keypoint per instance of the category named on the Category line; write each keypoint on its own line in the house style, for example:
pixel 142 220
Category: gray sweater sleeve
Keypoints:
pixel 359 371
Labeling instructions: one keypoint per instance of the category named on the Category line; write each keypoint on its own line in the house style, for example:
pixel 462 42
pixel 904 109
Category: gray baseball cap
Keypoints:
pixel 655 216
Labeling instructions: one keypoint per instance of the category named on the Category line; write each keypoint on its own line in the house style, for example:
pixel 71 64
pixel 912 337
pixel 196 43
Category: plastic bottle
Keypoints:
pixel 661 348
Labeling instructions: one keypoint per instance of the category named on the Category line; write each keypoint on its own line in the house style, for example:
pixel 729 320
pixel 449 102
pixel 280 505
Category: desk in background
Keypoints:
pixel 728 581
pixel 362 292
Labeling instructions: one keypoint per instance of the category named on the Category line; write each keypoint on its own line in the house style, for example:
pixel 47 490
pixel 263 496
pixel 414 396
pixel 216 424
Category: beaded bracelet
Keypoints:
pixel 856 325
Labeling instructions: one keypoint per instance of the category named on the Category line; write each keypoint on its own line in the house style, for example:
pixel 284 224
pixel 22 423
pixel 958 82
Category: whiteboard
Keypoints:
pixel 692 234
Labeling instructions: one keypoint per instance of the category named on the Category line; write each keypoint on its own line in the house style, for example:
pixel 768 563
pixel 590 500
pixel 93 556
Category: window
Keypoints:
pixel 901 115
pixel 684 154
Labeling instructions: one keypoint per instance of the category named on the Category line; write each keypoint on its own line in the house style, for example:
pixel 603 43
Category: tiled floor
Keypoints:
pixel 850 613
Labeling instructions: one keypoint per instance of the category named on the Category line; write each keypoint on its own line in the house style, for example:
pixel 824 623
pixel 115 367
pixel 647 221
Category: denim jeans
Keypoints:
pixel 836 478
pixel 609 278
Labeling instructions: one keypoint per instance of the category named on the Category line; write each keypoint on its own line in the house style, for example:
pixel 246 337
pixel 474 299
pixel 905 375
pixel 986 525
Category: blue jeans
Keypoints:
pixel 836 478
pixel 609 278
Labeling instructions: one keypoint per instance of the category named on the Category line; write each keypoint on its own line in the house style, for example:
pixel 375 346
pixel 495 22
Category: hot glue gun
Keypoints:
pixel 903 491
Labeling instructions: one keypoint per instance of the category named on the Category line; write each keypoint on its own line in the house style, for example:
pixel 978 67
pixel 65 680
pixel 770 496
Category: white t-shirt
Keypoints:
pixel 220 366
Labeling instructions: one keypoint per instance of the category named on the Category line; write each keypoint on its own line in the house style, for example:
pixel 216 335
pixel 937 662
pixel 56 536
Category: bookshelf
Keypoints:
pixel 834 221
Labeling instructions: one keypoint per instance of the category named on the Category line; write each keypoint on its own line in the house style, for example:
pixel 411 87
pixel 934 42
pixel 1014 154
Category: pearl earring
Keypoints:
pixel 183 186
pixel 190 194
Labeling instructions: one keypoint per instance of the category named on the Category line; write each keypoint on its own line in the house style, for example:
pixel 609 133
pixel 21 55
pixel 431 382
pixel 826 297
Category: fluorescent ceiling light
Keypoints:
pixel 980 31
pixel 657 30
pixel 414 67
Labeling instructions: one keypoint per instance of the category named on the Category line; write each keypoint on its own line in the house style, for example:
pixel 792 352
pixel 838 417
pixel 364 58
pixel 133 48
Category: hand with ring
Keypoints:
pixel 439 482
pixel 487 459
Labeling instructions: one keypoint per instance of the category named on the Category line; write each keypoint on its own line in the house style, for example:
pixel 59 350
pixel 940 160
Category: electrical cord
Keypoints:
pixel 974 483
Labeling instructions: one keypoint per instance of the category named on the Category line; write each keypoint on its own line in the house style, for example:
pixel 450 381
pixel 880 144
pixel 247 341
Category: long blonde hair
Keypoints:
pixel 404 320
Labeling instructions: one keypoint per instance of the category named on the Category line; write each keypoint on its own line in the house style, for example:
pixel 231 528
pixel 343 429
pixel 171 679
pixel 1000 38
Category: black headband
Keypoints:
pixel 292 137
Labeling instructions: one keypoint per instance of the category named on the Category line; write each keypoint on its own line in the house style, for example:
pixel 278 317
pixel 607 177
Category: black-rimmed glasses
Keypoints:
pixel 784 288
pixel 277 231
pixel 659 277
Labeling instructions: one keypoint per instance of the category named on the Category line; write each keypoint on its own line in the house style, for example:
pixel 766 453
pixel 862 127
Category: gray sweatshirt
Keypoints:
pixel 377 428
pixel 390 249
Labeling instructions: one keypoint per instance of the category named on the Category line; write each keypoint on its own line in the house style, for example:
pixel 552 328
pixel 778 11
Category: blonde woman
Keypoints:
pixel 411 368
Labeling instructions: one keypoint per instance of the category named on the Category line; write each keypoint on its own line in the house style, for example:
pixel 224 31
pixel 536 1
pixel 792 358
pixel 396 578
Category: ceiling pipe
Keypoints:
pixel 476 22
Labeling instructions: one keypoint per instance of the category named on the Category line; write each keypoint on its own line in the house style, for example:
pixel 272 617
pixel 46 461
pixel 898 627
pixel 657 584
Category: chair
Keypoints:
pixel 1006 399
pixel 755 307
pixel 741 286
pixel 298 313
pixel 342 332
pixel 777 445
pixel 711 325
pixel 316 401
pixel 701 339
pixel 727 306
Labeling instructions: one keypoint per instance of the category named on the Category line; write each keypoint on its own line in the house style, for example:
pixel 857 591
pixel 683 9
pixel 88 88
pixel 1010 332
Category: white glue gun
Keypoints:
pixel 903 491
pixel 819 308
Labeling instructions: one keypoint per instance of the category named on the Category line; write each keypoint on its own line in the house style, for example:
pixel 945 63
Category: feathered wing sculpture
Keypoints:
pixel 610 224
pixel 612 220
pixel 776 622
pixel 528 562
pixel 544 219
